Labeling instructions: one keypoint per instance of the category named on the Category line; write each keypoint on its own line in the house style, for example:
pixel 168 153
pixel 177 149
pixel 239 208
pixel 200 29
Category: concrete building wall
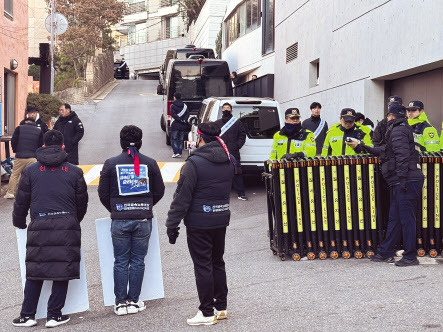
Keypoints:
pixel 244 55
pixel 37 32
pixel 204 31
pixel 359 45
pixel 14 45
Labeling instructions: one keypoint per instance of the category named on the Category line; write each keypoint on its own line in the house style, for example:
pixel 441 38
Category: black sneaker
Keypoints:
pixel 407 262
pixel 242 198
pixel 26 321
pixel 380 258
pixel 57 320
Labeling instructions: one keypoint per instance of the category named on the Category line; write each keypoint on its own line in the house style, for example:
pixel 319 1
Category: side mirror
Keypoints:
pixel 160 90
pixel 193 120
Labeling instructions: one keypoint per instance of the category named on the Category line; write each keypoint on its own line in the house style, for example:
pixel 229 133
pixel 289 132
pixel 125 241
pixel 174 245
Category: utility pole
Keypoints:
pixel 52 45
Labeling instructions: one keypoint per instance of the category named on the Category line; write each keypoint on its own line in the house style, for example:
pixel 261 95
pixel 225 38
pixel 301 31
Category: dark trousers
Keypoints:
pixel 207 247
pixel 238 185
pixel 56 301
pixel 402 220
pixel 177 137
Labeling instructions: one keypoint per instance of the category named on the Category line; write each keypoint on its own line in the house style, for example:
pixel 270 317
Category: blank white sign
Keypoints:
pixel 77 298
pixel 152 287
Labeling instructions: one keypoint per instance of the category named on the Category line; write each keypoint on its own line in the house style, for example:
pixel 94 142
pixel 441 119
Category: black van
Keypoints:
pixel 121 70
pixel 195 79
pixel 182 54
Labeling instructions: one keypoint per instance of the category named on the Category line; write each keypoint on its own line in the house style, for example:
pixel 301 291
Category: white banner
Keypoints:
pixel 77 297
pixel 152 287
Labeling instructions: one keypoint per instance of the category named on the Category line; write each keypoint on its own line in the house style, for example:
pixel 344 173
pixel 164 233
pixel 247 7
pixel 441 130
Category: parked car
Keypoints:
pixel 121 70
pixel 261 117
pixel 196 79
pixel 182 54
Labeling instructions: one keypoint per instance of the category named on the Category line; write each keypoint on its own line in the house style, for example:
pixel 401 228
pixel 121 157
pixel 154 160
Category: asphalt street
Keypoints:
pixel 265 294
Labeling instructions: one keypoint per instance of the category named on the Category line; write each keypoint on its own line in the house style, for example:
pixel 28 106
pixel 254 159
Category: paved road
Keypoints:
pixel 265 294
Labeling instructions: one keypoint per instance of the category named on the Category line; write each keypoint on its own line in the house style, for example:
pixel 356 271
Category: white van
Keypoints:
pixel 261 117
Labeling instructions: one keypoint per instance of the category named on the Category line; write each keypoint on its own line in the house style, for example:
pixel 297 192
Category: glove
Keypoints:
pixel 172 234
pixel 290 156
pixel 403 186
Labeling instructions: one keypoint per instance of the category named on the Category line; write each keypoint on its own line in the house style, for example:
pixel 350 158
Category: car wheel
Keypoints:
pixel 162 123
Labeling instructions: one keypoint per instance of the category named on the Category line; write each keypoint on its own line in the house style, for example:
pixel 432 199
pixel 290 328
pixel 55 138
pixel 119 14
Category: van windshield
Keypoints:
pixel 184 54
pixel 259 121
pixel 199 81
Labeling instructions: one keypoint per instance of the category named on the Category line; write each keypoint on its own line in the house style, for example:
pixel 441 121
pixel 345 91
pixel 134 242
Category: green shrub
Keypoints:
pixel 46 104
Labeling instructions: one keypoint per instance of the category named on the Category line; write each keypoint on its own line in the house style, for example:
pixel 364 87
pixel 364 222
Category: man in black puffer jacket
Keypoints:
pixel 202 200
pixel 401 170
pixel 130 185
pixel 27 138
pixel 55 192
pixel 32 113
pixel 180 125
pixel 72 129
pixel 233 133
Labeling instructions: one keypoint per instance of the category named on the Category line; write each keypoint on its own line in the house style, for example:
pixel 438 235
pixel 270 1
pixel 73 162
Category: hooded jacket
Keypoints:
pixel 72 129
pixel 27 138
pixel 39 123
pixel 55 192
pixel 180 115
pixel 424 133
pixel 312 124
pixel 128 199
pixel 203 190
pixel 234 137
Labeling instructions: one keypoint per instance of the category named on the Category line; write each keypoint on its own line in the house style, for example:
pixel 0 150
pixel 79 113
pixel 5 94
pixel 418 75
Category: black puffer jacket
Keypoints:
pixel 234 137
pixel 378 137
pixel 39 123
pixel 72 129
pixel 203 190
pixel 130 200
pixel 56 194
pixel 27 138
pixel 180 114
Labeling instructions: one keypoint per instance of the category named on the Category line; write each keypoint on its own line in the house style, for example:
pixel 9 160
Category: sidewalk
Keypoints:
pixel 103 92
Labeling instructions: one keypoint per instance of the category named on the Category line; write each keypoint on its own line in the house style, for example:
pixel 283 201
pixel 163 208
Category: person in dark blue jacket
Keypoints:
pixel 130 185
pixel 202 200
pixel 179 124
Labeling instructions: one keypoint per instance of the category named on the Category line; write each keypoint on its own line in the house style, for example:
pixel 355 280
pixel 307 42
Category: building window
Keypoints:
pixel 244 19
pixel 9 8
pixel 314 73
pixel 268 26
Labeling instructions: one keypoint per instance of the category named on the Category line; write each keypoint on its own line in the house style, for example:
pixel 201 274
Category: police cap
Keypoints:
pixel 292 113
pixel 395 99
pixel 415 105
pixel 348 114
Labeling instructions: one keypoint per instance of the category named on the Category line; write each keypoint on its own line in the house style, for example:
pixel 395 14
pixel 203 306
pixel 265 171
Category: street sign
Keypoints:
pixel 60 23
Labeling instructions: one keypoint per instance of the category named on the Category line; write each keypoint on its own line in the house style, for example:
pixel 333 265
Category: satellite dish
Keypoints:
pixel 60 23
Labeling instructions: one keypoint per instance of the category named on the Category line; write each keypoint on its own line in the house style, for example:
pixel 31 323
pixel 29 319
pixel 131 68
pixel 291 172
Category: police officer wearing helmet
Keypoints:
pixel 293 141
pixel 425 134
pixel 401 170
pixel 346 130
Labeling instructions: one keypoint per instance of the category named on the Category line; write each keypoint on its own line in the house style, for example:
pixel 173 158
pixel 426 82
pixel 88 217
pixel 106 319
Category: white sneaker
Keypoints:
pixel 120 309
pixel 58 320
pixel 8 196
pixel 134 307
pixel 222 314
pixel 199 319
pixel 174 155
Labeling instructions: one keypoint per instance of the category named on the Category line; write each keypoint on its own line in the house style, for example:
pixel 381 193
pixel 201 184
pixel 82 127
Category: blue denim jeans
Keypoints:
pixel 130 239
pixel 177 141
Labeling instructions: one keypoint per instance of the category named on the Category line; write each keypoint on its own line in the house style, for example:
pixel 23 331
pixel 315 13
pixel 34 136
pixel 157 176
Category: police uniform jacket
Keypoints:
pixel 121 202
pixel 301 141
pixel 27 138
pixel 72 129
pixel 425 135
pixel 335 141
pixel 55 192
pixel 203 190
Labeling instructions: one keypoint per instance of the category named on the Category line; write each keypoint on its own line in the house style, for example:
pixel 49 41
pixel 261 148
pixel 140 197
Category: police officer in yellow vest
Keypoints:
pixel 346 130
pixel 293 141
pixel 424 133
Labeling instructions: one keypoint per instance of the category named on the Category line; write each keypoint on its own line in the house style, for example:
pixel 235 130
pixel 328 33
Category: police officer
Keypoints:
pixel 202 200
pixel 346 130
pixel 425 134
pixel 72 129
pixel 401 170
pixel 378 137
pixel 293 141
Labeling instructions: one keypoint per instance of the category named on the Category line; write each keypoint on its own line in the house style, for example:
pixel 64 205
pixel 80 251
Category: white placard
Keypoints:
pixel 152 287
pixel 77 298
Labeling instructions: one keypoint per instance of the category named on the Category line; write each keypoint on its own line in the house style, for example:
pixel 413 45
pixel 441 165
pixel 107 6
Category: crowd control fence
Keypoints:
pixel 339 206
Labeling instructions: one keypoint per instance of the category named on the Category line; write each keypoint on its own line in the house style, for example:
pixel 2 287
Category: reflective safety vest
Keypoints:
pixel 424 133
pixel 441 137
pixel 334 144
pixel 304 141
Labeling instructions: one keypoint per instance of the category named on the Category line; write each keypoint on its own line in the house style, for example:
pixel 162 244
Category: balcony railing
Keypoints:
pixel 134 8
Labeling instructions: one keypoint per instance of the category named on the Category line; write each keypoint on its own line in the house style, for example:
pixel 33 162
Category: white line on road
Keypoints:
pixel 169 170
pixel 93 174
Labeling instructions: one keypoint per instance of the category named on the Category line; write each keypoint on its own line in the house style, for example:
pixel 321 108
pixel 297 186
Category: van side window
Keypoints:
pixel 209 111
pixel 201 113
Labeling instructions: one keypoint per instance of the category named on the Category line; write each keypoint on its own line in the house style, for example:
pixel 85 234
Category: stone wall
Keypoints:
pixel 73 96
pixel 99 72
